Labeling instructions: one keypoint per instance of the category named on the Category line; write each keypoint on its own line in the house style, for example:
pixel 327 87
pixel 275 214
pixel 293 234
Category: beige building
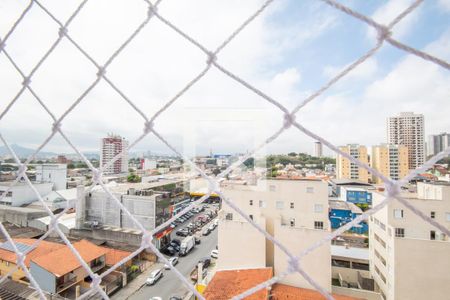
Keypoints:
pixel 409 258
pixel 295 212
pixel 390 160
pixel 408 129
pixel 345 169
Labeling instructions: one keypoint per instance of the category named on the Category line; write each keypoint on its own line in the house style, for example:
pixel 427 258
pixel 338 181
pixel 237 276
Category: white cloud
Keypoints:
pixel 365 70
pixel 445 4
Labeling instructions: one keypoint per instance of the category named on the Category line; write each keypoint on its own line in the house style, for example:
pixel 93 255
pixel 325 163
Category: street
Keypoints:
pixel 170 285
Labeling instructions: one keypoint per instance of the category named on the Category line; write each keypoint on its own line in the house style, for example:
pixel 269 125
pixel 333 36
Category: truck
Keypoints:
pixel 187 245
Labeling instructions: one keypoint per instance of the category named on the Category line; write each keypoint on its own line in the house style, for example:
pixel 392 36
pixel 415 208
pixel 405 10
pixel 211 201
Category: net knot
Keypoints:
pixel 53 223
pixel 20 259
pixel 147 239
pixel 392 189
pixel 101 71
pixel 26 81
pixel 211 58
pixel 21 171
pixel 96 175
pixel 62 32
pixel 148 126
pixel 289 119
pixel 152 10
pixel 292 265
pixel 56 127
pixel 96 280
pixel 383 32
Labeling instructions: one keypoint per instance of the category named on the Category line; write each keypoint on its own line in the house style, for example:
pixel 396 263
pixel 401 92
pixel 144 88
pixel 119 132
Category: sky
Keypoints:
pixel 288 52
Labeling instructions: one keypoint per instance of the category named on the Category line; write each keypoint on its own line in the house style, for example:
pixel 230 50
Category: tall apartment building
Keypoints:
pixel 409 258
pixel 345 169
pixel 111 146
pixel 295 212
pixel 390 160
pixel 438 143
pixel 318 149
pixel 408 129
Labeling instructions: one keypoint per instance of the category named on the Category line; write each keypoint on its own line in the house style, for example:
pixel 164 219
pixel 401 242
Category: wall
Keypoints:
pixel 23 194
pixel 46 280
pixel 56 173
pixel 131 238
pixel 241 246
pixel 19 216
pixel 317 264
pixel 359 294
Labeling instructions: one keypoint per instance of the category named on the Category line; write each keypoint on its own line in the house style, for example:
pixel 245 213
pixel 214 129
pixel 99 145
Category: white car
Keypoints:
pixel 215 254
pixel 156 298
pixel 216 222
pixel 173 261
pixel 154 277
pixel 211 227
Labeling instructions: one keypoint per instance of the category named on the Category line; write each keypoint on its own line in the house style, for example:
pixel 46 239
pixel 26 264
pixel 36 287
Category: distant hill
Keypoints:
pixel 23 152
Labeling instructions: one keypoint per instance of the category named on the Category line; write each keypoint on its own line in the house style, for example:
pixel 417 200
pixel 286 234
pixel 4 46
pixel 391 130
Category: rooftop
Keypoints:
pixel 287 292
pixel 226 284
pixel 343 205
pixel 113 256
pixel 44 248
pixel 50 262
pixel 350 252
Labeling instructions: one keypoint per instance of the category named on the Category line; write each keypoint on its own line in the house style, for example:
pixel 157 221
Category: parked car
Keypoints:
pixel 211 227
pixel 175 298
pixel 154 277
pixel 156 298
pixel 175 246
pixel 173 261
pixel 216 222
pixel 176 241
pixel 206 261
pixel 182 232
pixel 173 225
pixel 197 240
pixel 215 254
pixel 206 231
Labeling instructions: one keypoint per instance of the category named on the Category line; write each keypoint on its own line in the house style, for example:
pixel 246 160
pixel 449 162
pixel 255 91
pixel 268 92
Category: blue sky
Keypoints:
pixel 288 52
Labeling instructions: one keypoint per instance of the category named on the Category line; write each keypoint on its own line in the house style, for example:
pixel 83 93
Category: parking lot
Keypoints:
pixel 169 284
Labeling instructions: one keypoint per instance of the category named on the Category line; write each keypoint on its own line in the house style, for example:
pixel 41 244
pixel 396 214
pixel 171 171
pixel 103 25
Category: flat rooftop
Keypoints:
pixel 350 252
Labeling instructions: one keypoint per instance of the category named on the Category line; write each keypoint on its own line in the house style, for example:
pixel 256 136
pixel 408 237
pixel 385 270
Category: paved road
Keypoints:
pixel 169 284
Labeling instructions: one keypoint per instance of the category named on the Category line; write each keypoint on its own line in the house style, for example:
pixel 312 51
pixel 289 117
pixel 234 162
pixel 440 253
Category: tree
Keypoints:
pixel 216 171
pixel 133 178
pixel 71 166
pixel 292 154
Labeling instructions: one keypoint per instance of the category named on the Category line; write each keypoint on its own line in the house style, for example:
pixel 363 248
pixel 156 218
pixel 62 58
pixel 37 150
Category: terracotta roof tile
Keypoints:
pixel 287 292
pixel 63 261
pixel 226 284
pixel 43 248
pixel 113 256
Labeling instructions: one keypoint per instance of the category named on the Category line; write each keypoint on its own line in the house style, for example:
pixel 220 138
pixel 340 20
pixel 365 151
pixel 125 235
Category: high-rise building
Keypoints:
pixel 345 169
pixel 111 146
pixel 318 149
pixel 408 129
pixel 409 258
pixel 390 160
pixel 438 143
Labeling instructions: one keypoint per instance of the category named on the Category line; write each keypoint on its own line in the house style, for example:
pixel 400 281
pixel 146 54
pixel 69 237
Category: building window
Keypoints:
pixel 360 266
pixel 433 214
pixel 318 208
pixel 292 222
pixel 398 213
pixel 399 232
pixel 340 263
pixel 432 235
pixel 229 216
pixel 272 188
pixel 279 204
pixel 318 225
pixel 251 202
pixel 310 189
pixel 262 204
pixel 292 205
pixel 251 217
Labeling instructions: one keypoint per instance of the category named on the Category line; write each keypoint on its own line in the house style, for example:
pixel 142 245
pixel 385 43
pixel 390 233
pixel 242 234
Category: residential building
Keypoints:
pixel 342 212
pixel 148 164
pixel 61 159
pixel 438 143
pixel 408 129
pixel 353 191
pixel 409 258
pixel 345 169
pixel 56 173
pixel 21 193
pixel 110 148
pixel 284 208
pixel 390 160
pixel 318 151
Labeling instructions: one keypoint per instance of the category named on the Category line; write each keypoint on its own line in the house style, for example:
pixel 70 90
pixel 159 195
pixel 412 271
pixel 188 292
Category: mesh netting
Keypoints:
pixel 392 187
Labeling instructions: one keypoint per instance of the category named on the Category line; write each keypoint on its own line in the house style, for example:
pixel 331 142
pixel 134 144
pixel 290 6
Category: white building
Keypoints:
pixel 112 146
pixel 295 212
pixel 408 129
pixel 148 164
pixel 409 258
pixel 318 150
pixel 438 143
pixel 21 194
pixel 56 173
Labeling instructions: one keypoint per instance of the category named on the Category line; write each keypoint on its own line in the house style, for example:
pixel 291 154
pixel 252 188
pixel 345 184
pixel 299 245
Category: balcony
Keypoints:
pixel 70 281
pixel 96 265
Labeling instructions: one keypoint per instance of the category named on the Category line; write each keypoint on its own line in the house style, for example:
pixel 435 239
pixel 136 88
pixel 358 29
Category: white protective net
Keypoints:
pixel 392 187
